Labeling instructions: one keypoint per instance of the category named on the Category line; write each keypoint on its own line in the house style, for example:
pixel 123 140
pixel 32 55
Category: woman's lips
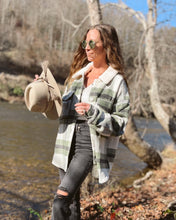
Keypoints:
pixel 89 54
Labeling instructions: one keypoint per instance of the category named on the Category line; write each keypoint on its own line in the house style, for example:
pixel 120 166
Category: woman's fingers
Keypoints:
pixel 81 108
pixel 36 77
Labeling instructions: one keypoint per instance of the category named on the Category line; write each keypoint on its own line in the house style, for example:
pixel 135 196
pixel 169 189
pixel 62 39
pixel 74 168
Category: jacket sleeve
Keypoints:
pixel 113 123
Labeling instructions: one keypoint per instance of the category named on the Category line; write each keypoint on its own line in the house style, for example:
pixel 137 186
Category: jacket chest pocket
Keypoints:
pixel 105 102
pixel 68 102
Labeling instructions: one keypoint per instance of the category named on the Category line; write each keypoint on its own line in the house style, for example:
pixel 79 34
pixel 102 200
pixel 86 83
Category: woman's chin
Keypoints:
pixel 91 59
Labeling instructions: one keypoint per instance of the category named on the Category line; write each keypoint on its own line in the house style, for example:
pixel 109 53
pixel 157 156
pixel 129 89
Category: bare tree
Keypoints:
pixel 166 55
pixel 149 26
pixel 168 123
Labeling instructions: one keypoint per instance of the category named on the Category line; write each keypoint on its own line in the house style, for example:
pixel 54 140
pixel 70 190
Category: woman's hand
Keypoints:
pixel 36 77
pixel 81 108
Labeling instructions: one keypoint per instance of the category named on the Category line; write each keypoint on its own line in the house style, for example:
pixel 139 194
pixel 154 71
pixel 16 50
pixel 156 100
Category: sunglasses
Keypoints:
pixel 91 43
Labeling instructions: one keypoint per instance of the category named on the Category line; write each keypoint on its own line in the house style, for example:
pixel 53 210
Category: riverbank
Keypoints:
pixel 150 201
pixel 12 87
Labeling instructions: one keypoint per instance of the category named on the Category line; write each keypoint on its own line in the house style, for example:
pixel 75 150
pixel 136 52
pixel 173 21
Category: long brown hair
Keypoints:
pixel 111 45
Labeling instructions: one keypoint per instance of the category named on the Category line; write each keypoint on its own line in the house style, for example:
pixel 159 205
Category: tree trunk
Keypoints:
pixel 139 147
pixel 168 123
pixel 131 138
pixel 94 11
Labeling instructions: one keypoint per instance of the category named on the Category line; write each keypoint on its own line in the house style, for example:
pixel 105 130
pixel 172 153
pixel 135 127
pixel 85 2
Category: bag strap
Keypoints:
pixel 44 66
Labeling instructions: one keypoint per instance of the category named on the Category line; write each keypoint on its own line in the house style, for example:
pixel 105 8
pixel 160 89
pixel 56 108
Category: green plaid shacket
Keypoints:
pixel 107 117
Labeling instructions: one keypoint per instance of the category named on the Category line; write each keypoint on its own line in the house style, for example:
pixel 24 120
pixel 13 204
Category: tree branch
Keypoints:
pixel 140 17
pixel 76 26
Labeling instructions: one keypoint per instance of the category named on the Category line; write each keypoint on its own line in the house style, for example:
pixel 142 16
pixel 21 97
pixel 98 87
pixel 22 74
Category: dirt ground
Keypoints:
pixel 154 198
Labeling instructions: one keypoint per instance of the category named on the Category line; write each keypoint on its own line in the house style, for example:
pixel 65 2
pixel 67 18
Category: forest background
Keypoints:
pixel 36 30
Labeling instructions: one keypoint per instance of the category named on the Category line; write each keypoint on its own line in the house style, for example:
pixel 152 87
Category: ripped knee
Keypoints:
pixel 62 192
pixel 61 203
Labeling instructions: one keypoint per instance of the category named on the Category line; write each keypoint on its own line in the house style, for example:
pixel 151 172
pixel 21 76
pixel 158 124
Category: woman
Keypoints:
pixel 94 115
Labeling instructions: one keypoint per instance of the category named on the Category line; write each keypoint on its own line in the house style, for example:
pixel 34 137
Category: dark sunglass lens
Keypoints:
pixel 84 43
pixel 92 44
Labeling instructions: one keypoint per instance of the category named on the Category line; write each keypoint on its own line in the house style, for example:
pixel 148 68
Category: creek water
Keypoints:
pixel 27 177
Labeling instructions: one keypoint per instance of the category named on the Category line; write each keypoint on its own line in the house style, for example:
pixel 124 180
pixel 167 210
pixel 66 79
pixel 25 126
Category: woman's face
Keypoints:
pixel 98 53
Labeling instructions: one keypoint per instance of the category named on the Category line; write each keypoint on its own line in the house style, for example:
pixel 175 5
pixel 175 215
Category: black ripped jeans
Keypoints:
pixel 80 163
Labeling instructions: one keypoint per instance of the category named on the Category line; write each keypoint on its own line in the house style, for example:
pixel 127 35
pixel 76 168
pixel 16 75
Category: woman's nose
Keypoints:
pixel 87 47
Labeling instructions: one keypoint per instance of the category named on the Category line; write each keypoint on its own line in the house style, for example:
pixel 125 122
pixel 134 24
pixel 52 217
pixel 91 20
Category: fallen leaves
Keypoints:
pixel 149 202
pixel 127 203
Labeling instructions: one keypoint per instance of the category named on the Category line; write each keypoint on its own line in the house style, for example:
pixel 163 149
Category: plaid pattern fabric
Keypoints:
pixel 106 117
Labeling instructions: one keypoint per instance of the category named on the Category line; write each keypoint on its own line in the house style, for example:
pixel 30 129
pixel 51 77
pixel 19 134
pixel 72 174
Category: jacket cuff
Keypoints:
pixel 90 113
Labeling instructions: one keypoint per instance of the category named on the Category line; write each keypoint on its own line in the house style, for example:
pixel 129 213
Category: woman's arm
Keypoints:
pixel 111 123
